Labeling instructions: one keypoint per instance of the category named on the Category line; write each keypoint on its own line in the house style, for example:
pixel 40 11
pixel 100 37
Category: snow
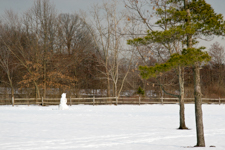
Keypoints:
pixel 108 127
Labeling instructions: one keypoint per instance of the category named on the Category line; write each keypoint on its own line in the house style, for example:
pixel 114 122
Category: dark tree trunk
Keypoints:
pixel 197 87
pixel 181 99
pixel 198 107
pixel 182 116
pixel 108 86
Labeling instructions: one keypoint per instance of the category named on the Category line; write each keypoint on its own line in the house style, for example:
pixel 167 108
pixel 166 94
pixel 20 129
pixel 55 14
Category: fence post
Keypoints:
pixel 139 100
pixel 13 101
pixel 42 101
pixel 219 101
pixel 116 100
pixel 70 101
pixel 93 100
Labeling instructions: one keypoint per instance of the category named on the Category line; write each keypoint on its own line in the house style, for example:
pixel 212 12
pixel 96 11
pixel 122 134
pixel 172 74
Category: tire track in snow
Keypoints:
pixel 89 142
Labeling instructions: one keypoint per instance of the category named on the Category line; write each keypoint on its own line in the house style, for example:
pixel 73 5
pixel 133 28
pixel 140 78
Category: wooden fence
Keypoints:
pixel 105 101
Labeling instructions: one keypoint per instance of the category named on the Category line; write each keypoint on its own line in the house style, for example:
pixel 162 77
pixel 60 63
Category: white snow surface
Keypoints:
pixel 123 127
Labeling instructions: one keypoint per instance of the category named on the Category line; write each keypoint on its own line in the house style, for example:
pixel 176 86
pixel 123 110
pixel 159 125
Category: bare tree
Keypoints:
pixel 43 15
pixel 9 31
pixel 144 11
pixel 8 66
pixel 106 31
pixel 217 52
pixel 75 41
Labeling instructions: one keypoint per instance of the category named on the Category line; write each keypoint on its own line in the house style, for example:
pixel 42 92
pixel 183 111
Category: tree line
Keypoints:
pixel 44 53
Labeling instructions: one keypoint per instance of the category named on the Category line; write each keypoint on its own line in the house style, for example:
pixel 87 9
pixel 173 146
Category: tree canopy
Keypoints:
pixel 203 23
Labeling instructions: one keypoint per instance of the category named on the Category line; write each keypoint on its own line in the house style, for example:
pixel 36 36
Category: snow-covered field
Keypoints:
pixel 123 127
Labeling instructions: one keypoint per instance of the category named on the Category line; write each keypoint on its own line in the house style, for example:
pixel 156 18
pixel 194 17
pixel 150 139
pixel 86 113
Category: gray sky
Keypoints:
pixel 64 6
pixel 75 5
pixel 71 6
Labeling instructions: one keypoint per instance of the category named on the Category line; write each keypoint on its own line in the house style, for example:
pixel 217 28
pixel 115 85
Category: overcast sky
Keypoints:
pixel 64 6
pixel 75 5
pixel 71 6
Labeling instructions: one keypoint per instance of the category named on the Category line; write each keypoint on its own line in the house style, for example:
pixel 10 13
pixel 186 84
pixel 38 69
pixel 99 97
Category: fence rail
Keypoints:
pixel 105 101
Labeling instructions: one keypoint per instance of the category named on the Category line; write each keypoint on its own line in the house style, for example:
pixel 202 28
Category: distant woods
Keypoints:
pixel 44 53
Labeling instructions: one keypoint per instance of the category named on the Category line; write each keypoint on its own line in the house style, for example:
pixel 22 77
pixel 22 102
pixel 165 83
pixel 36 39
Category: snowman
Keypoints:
pixel 63 101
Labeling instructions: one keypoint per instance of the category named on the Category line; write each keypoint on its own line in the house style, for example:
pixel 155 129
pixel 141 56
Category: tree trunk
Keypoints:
pixel 144 86
pixel 108 85
pixel 12 92
pixel 11 84
pixel 37 90
pixel 115 92
pixel 197 87
pixel 198 107
pixel 181 99
pixel 180 96
pixel 45 78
